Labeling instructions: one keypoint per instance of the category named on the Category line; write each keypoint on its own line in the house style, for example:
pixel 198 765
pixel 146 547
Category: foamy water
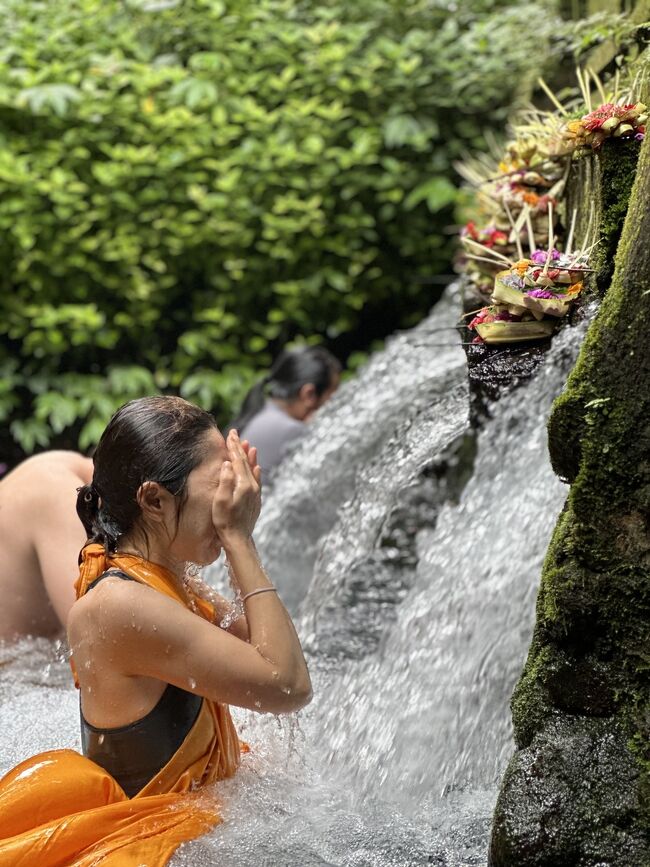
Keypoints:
pixel 416 608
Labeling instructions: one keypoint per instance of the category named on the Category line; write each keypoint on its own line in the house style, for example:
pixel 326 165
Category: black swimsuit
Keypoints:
pixel 133 754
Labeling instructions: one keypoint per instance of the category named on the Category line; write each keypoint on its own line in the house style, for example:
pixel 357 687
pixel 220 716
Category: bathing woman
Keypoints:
pixel 40 538
pixel 155 670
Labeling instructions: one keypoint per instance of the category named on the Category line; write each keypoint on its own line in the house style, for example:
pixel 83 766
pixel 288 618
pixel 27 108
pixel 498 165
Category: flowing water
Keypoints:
pixel 414 371
pixel 411 554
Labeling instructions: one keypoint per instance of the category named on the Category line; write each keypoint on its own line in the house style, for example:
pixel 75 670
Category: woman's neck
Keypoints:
pixel 153 553
pixel 291 407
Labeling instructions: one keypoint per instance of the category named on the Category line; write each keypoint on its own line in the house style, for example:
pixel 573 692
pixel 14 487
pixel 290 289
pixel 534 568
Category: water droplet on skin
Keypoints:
pixel 258 704
pixel 275 674
pixel 286 690
pixel 192 683
pixel 100 739
pixel 155 628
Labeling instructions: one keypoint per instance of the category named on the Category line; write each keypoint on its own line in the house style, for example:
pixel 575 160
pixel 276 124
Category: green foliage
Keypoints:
pixel 585 34
pixel 185 186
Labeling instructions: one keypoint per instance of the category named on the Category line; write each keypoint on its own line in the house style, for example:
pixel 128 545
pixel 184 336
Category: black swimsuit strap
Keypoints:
pixel 110 573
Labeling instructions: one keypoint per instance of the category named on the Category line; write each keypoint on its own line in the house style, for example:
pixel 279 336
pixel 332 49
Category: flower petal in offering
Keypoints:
pixel 609 120
pixel 546 284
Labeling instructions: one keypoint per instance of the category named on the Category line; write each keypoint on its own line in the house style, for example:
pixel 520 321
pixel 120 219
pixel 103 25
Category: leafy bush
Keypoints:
pixel 185 186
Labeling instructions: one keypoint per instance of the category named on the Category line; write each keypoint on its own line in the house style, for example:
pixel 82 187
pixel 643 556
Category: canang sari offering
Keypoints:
pixel 60 809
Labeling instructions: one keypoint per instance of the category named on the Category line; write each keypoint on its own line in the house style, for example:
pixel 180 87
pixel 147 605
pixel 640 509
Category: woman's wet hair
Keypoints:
pixel 309 365
pixel 152 439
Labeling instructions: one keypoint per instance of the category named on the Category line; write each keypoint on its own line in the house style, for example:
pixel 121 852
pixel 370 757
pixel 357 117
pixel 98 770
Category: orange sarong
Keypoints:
pixel 60 809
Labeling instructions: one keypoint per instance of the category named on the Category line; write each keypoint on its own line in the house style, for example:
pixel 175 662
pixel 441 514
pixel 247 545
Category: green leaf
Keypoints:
pixel 436 192
pixel 400 130
pixel 55 97
pixel 194 93
pixel 29 433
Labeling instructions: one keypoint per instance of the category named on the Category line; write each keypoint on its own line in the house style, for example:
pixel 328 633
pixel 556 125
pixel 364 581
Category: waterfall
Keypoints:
pixel 428 710
pixel 412 552
pixel 415 369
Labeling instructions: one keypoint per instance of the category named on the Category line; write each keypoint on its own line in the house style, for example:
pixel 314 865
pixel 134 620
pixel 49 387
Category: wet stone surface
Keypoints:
pixel 577 774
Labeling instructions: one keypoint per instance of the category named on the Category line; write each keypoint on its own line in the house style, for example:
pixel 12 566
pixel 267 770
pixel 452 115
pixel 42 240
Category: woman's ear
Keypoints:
pixel 156 503
pixel 307 395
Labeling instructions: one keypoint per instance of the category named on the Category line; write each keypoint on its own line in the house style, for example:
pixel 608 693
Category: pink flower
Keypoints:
pixel 539 257
pixel 596 118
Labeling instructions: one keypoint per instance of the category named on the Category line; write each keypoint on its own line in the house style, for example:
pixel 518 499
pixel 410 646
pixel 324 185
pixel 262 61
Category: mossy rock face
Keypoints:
pixel 599 188
pixel 617 162
pixel 577 774
pixel 581 710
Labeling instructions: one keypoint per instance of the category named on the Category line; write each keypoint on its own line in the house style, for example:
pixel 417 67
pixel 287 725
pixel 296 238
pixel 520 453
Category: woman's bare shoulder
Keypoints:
pixel 121 607
pixel 53 464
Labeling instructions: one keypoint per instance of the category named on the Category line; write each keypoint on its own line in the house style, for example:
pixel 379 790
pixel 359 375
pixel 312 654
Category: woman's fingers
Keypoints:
pixel 256 470
pixel 223 496
pixel 251 454
pixel 239 457
pixel 226 479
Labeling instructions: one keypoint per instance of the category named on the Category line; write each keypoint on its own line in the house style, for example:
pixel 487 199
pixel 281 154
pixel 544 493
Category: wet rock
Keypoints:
pixel 577 684
pixel 495 370
pixel 577 793
pixel 570 799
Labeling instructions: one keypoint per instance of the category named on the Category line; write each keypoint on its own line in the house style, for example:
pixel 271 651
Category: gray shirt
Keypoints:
pixel 271 431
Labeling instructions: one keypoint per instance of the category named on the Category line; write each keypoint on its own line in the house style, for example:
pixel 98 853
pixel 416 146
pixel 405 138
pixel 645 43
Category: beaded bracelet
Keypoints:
pixel 260 590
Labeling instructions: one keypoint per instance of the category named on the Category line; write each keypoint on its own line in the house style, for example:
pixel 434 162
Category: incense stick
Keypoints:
pixel 569 241
pixel 485 259
pixel 584 89
pixel 472 243
pixel 517 239
pixel 531 233
pixel 556 102
pixel 599 85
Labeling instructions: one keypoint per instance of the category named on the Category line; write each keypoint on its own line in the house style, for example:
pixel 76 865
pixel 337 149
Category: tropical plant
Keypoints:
pixel 186 186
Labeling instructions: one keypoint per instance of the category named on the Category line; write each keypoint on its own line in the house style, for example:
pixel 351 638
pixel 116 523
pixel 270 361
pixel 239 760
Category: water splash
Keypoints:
pixel 417 602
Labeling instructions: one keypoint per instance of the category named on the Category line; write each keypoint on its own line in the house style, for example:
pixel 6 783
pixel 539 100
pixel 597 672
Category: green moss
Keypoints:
pixel 590 655
pixel 618 161
pixel 530 705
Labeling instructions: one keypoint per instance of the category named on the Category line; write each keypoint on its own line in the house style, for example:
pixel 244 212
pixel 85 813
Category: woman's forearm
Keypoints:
pixel 270 628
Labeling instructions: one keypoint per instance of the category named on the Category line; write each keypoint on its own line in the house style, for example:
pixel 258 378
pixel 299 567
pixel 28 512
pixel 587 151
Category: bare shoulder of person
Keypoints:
pixel 144 633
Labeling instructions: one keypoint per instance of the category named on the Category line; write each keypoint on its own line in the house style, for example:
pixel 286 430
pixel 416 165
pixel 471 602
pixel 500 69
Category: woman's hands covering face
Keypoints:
pixel 237 501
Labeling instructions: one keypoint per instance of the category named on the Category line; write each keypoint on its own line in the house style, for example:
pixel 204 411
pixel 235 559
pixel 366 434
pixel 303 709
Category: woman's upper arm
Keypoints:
pixel 158 637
